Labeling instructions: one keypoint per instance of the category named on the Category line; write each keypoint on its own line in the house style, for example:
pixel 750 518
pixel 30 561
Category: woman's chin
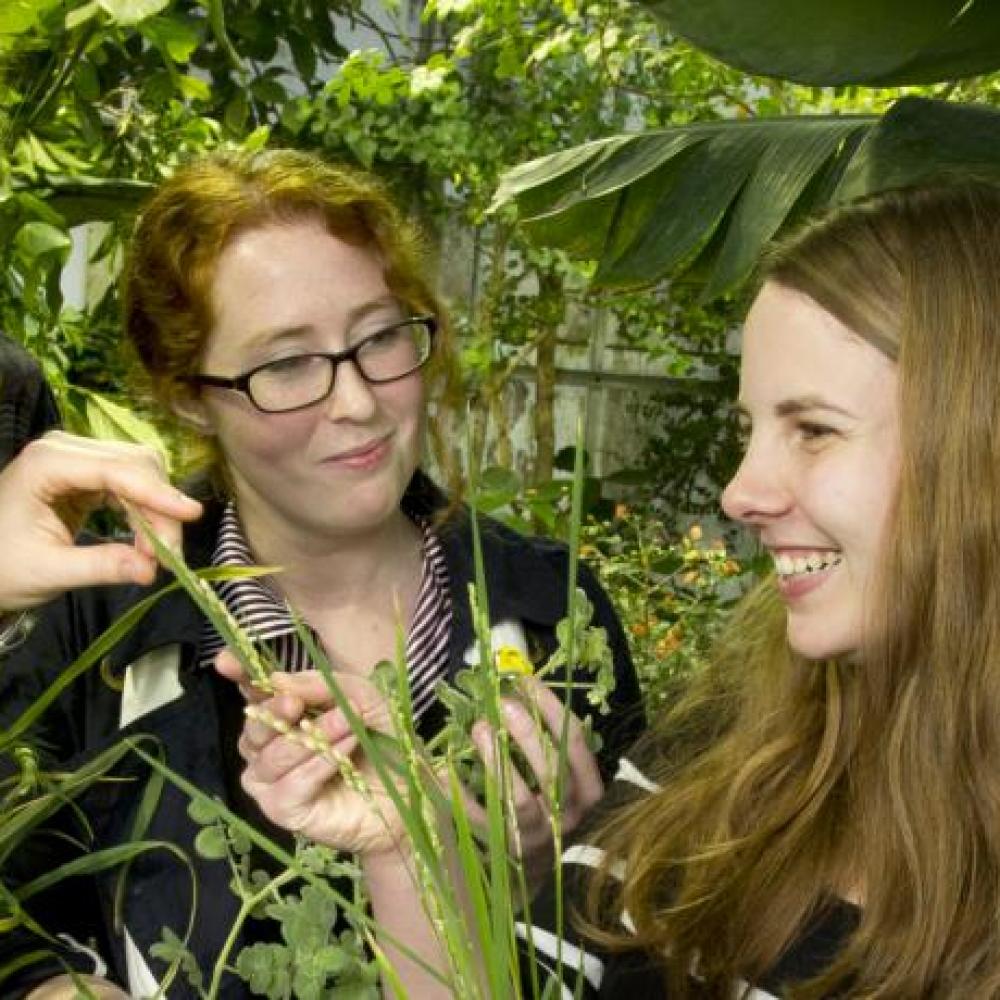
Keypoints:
pixel 819 647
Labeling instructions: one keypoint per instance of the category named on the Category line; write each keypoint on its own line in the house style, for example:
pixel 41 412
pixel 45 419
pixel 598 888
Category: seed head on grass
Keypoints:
pixel 258 667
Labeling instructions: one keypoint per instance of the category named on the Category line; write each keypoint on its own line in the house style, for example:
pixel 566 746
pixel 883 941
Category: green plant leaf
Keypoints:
pixel 17 17
pixel 918 140
pixel 887 43
pixel 111 421
pixel 702 200
pixel 36 239
pixel 203 811
pixel 217 21
pixel 177 36
pixel 132 11
pixel 98 861
pixel 82 14
pixel 92 199
pixel 20 820
pixel 211 842
pixel 193 88
pixel 106 642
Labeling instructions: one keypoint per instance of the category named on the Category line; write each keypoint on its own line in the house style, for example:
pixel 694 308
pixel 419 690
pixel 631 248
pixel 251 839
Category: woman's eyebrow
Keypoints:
pixel 366 309
pixel 794 407
pixel 802 404
pixel 269 338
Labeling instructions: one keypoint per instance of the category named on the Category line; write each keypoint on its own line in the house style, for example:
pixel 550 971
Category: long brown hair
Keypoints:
pixel 791 781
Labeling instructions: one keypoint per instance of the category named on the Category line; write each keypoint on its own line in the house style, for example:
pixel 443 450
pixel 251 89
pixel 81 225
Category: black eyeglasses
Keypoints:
pixel 303 380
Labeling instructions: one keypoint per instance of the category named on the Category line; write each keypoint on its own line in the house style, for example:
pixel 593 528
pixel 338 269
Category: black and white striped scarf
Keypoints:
pixel 266 619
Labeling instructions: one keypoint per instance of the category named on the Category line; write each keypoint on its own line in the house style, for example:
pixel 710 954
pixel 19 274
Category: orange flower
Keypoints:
pixel 668 644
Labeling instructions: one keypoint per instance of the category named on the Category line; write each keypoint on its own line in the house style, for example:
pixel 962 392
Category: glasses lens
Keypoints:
pixel 395 352
pixel 291 383
pixel 297 382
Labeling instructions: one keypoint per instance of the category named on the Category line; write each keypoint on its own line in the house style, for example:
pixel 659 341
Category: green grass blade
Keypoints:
pixel 97 861
pixel 100 648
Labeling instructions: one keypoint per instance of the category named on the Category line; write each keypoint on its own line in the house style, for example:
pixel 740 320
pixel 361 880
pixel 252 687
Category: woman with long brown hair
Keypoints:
pixel 820 816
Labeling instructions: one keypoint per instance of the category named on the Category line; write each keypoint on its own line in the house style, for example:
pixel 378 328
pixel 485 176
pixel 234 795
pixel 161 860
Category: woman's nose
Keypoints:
pixel 759 490
pixel 353 397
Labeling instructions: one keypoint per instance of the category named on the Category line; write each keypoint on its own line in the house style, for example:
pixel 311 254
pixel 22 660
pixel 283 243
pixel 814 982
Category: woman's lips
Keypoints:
pixel 793 587
pixel 365 456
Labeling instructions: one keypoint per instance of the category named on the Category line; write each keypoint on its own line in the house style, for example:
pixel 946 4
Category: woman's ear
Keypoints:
pixel 190 410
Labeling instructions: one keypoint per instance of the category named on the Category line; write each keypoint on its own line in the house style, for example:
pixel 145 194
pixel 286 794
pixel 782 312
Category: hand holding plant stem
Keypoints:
pixel 298 749
pixel 46 494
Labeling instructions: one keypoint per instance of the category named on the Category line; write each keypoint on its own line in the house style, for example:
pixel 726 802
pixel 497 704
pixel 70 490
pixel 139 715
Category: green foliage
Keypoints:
pixel 544 507
pixel 101 100
pixel 443 113
pixel 842 41
pixel 173 950
pixel 672 594
pixel 466 697
pixel 703 200
pixel 315 954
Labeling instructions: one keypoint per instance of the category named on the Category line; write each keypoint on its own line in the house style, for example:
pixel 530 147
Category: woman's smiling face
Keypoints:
pixel 338 467
pixel 818 480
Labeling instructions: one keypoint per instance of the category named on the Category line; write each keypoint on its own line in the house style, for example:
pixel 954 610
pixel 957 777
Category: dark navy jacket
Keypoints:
pixel 526 583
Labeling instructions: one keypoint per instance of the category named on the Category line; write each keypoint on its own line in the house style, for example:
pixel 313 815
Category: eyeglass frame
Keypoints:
pixel 241 383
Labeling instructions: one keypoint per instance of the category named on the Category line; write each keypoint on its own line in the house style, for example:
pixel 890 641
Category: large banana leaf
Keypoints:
pixel 876 42
pixel 703 199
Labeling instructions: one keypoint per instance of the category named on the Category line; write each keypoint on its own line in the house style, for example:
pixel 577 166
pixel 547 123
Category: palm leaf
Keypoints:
pixel 654 205
pixel 875 42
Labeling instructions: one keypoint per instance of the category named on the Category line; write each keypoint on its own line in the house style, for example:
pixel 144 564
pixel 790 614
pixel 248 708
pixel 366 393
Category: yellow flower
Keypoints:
pixel 510 660
pixel 695 533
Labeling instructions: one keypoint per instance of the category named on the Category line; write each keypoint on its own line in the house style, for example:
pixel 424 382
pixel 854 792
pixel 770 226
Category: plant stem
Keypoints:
pixel 246 908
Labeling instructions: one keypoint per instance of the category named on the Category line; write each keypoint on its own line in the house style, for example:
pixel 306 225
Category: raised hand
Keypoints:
pixel 46 494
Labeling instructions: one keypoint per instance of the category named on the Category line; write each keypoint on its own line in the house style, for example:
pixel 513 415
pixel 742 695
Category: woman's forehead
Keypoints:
pixel 793 348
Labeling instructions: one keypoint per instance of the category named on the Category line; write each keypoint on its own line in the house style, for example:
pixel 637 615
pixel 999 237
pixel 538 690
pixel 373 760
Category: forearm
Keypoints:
pixel 403 922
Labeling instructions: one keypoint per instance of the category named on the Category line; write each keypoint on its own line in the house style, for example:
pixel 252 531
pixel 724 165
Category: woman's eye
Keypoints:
pixel 293 365
pixel 809 431
pixel 382 339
